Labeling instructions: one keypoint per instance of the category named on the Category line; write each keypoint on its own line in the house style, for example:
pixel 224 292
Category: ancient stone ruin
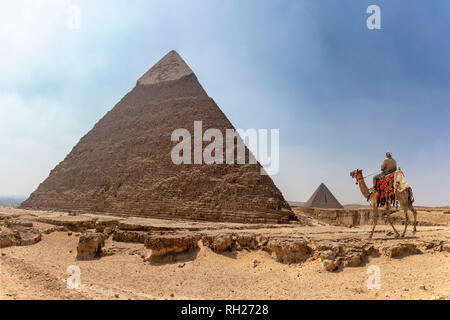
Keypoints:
pixel 90 245
pixel 168 241
pixel 123 165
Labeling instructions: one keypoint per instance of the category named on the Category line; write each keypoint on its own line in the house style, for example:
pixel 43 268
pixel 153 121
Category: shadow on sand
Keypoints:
pixel 174 258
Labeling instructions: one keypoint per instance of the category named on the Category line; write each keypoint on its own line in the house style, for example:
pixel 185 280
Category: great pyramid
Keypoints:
pixel 323 198
pixel 123 165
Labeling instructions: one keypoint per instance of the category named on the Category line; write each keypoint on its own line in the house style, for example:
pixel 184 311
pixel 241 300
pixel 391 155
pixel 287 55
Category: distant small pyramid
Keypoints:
pixel 323 198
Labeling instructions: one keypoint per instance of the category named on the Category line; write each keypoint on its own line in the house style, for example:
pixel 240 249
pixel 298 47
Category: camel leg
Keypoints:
pixel 388 215
pixel 406 221
pixel 415 217
pixel 375 219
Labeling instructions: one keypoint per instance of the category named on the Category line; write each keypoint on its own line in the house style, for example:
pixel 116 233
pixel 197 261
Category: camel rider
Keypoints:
pixel 389 166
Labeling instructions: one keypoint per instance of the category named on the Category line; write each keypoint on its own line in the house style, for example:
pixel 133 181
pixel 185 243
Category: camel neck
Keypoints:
pixel 362 186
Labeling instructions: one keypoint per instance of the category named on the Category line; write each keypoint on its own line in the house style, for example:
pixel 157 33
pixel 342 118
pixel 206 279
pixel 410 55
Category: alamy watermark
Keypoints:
pixel 373 22
pixel 74 280
pixel 73 21
pixel 374 280
pixel 229 149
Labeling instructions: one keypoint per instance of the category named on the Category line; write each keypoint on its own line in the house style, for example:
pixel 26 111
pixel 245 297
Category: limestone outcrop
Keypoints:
pixel 401 249
pixel 170 247
pixel 90 245
pixel 222 242
pixel 288 250
pixel 129 236
pixel 166 241
pixel 14 232
pixel 219 243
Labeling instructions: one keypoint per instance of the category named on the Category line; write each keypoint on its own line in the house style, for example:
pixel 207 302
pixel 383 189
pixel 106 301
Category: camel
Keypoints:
pixel 403 194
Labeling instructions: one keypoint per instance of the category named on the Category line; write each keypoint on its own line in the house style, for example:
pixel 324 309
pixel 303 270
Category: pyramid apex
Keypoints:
pixel 170 67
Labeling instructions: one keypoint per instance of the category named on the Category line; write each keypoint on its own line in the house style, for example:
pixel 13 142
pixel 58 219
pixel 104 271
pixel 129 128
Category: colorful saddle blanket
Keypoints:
pixel 385 189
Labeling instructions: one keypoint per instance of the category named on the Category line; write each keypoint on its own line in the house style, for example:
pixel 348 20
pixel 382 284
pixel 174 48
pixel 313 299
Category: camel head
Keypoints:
pixel 356 173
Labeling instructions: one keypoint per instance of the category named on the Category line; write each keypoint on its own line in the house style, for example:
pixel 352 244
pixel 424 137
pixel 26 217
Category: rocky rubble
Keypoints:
pixel 166 241
pixel 18 238
pixel 335 255
pixel 219 243
pixel 90 245
pixel 17 233
pixel 288 250
pixel 364 216
pixel 129 236
pixel 7 238
pixel 107 226
pixel 170 247
pixel 74 223
pixel 399 250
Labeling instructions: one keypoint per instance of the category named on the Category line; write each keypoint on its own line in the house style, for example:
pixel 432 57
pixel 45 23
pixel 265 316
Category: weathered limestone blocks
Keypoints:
pixel 399 250
pixel 445 247
pixel 248 241
pixel 15 232
pixel 354 257
pixel 12 223
pixel 18 238
pixel 336 255
pixel 219 243
pixel 168 241
pixel 90 245
pixel 45 228
pixel 364 216
pixel 330 255
pixel 170 247
pixel 288 250
pixel 230 241
pixel 142 225
pixel 28 238
pixel 74 223
pixel 129 236
pixel 106 226
pixel 7 238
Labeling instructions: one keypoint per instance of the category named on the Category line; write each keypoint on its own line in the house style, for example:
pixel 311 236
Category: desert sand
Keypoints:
pixel 415 267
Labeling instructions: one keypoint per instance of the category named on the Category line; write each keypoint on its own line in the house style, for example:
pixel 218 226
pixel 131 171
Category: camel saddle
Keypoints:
pixel 385 189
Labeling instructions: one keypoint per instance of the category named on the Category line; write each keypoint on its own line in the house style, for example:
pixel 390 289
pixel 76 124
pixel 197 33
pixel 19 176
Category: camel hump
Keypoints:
pixel 400 183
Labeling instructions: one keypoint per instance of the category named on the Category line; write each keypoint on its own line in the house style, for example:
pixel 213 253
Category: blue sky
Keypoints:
pixel 340 94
